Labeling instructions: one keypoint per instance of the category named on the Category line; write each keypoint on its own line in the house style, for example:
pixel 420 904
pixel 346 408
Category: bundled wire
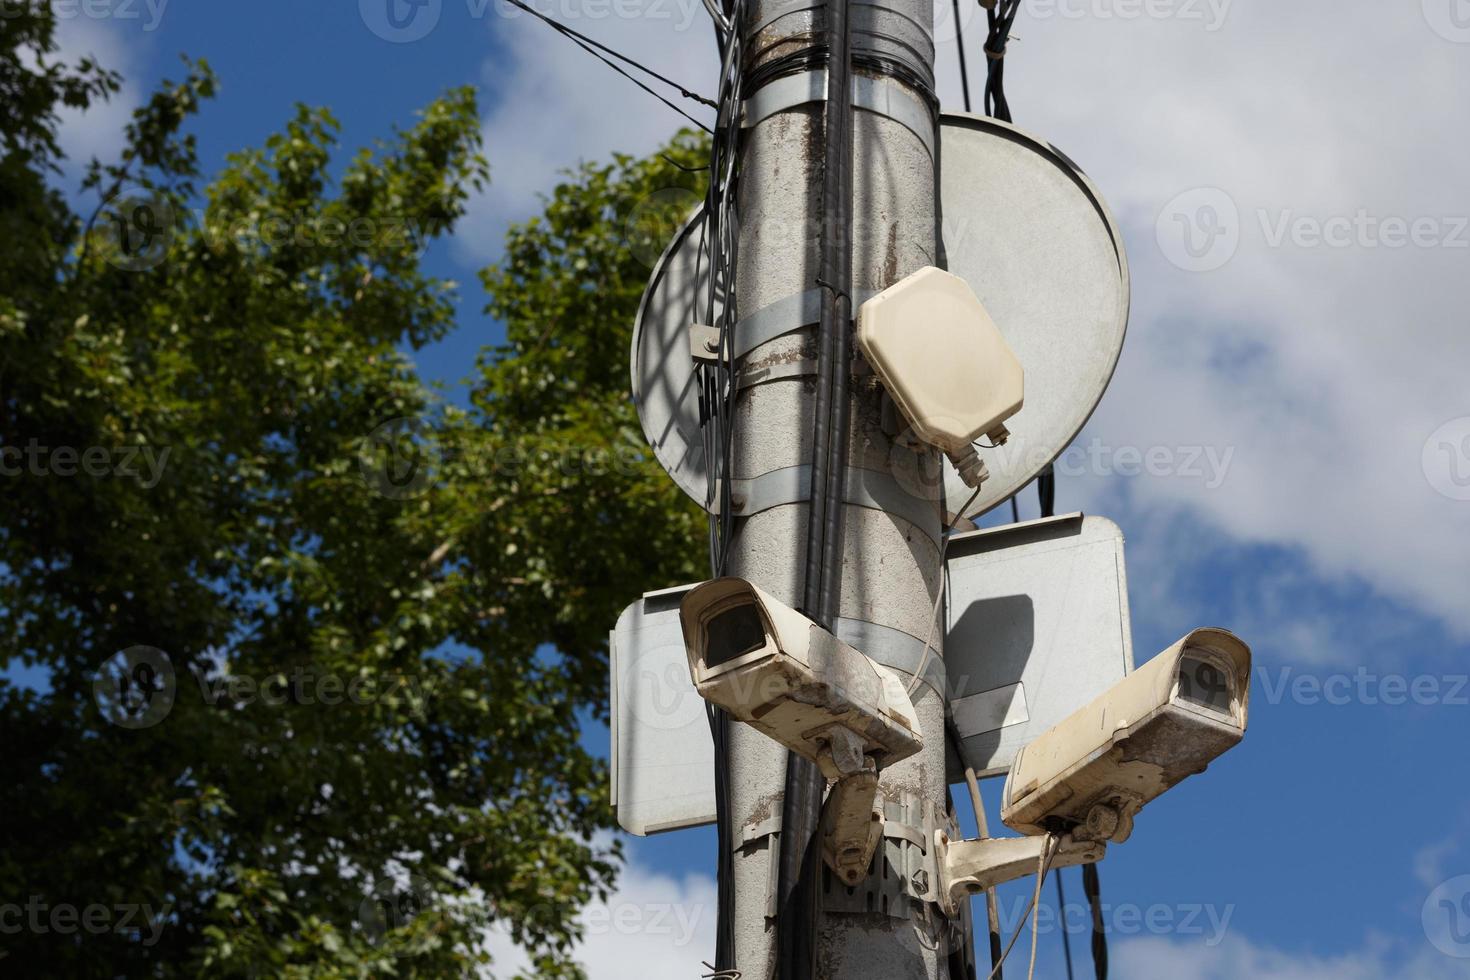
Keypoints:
pixel 719 248
pixel 1001 14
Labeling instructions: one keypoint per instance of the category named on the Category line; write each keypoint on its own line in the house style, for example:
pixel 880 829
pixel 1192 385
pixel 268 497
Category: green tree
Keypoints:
pixel 374 622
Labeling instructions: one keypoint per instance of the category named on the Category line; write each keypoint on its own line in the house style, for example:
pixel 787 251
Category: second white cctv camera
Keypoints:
pixel 776 670
pixel 1091 773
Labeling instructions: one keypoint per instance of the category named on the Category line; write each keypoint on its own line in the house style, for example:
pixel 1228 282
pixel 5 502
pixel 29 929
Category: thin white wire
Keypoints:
pixel 1046 859
pixel 918 677
pixel 1051 839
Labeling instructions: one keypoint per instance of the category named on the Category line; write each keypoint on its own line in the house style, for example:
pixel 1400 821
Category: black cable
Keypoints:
pixel 594 47
pixel 1000 17
pixel 616 54
pixel 1093 889
pixel 960 46
pixel 718 246
pixel 1062 914
pixel 799 870
pixel 1046 490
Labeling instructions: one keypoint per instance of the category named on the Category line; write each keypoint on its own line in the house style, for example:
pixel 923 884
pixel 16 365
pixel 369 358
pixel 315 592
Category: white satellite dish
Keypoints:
pixel 1031 235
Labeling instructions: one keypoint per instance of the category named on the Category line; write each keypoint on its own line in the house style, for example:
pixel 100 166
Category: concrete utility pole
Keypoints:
pixel 890 549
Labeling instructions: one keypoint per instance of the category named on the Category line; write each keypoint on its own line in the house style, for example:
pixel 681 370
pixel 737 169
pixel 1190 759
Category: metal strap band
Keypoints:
pixel 749 835
pixel 863 488
pixel 902 831
pixel 894 648
pixel 880 96
pixel 750 377
pixel 786 315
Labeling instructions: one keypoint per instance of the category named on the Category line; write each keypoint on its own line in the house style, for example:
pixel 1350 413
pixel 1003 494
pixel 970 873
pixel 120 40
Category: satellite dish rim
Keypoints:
pixel 953 486
pixel 974 121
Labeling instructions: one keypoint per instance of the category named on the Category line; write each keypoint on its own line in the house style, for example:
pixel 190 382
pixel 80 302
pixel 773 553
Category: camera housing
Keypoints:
pixel 1168 720
pixel 776 670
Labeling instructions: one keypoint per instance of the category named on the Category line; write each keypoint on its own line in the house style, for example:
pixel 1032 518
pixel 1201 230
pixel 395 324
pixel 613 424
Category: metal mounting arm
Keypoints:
pixel 969 867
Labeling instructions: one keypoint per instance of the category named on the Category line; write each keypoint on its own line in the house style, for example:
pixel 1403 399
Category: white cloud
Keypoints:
pixel 1157 958
pixel 98 131
pixel 1325 368
pixel 654 927
pixel 553 105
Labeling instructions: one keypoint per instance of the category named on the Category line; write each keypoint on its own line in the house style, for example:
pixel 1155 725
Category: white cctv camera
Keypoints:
pixel 1091 773
pixel 776 670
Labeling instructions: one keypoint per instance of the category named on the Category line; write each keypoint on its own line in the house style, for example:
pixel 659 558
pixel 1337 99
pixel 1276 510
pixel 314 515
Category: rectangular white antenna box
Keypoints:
pixel 1037 627
pixel 663 758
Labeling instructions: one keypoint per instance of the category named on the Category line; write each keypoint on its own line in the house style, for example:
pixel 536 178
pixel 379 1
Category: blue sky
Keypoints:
pixel 1326 361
